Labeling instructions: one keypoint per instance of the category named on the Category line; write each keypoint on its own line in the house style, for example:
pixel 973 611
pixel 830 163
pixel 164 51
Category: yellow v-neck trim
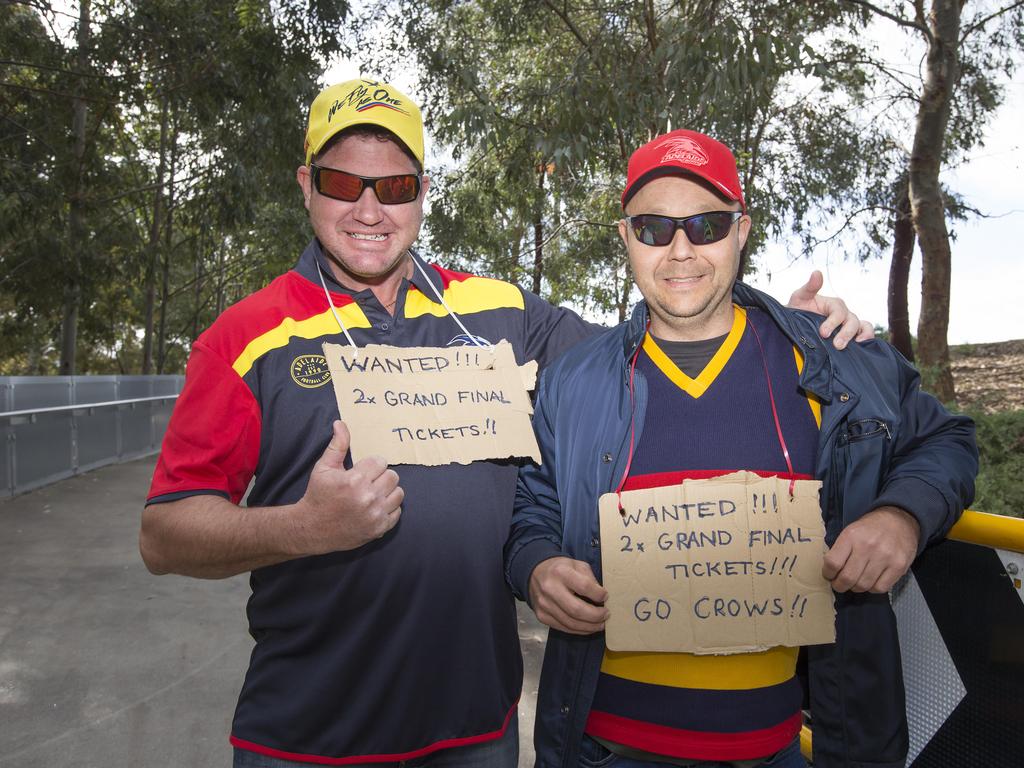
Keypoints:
pixel 698 386
pixel 812 399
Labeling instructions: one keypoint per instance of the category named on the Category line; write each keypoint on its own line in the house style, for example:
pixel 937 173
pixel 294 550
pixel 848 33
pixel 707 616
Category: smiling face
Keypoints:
pixel 688 288
pixel 367 242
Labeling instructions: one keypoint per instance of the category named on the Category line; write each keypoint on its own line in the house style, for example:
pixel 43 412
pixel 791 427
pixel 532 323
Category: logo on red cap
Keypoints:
pixel 685 151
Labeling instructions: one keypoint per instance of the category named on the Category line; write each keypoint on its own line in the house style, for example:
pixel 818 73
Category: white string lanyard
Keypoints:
pixel 440 297
pixel 337 317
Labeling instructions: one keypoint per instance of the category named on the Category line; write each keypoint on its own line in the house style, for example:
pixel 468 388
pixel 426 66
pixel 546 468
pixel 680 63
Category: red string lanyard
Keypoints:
pixel 775 412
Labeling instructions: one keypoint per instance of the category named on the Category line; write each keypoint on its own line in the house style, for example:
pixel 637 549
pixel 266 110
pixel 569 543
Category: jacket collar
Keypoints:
pixel 314 254
pixel 798 326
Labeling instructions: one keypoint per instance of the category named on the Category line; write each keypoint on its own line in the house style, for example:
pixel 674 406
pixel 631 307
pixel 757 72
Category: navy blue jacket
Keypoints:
pixel 882 442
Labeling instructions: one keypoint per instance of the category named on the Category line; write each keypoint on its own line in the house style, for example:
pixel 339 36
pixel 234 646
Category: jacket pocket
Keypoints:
pixel 862 450
pixel 866 429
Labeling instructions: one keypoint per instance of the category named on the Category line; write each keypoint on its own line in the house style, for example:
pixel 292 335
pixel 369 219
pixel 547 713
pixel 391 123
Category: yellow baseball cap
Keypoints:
pixel 363 102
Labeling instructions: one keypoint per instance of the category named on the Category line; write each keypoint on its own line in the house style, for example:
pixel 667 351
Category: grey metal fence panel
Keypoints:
pixel 52 427
pixel 44 449
pixel 161 416
pixel 95 389
pixel 136 430
pixel 28 392
pixel 136 386
pixel 167 385
pixel 97 437
pixel 6 440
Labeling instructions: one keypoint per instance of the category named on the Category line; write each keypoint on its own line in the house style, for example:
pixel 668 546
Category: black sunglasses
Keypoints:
pixel 390 190
pixel 700 229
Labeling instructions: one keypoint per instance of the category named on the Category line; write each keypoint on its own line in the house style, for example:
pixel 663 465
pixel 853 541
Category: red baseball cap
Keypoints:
pixel 686 152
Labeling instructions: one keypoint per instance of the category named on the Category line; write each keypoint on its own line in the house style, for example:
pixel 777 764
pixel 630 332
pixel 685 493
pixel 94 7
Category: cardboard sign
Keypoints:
pixel 728 565
pixel 432 406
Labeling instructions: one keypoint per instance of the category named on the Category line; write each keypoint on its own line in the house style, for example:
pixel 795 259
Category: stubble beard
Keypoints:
pixel 401 263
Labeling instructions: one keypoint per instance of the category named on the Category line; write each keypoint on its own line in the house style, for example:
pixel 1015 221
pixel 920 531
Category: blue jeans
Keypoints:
pixel 595 755
pixel 499 753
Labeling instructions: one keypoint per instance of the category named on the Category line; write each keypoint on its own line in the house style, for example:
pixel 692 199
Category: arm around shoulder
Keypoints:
pixel 551 330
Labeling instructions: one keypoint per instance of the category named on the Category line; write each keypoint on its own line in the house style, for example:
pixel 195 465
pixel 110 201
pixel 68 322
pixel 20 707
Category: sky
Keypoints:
pixel 988 254
pixel 986 304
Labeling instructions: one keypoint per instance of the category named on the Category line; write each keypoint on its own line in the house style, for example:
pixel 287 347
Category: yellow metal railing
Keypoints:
pixel 990 530
pixel 805 742
pixel 995 531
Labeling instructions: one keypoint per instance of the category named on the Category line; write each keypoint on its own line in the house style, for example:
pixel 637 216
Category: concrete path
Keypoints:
pixel 103 665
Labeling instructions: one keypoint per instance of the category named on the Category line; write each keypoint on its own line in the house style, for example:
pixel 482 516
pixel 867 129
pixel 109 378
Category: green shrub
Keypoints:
pixel 1000 488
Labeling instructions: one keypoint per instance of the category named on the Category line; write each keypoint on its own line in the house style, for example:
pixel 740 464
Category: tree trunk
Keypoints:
pixel 942 70
pixel 903 239
pixel 538 231
pixel 220 280
pixel 167 250
pixel 200 255
pixel 153 246
pixel 627 287
pixel 76 235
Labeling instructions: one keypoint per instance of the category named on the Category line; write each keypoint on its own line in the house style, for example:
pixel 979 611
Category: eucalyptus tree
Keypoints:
pixel 218 95
pixel 967 50
pixel 194 115
pixel 53 137
pixel 541 103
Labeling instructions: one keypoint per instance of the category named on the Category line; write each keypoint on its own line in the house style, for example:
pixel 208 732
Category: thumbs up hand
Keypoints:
pixel 346 508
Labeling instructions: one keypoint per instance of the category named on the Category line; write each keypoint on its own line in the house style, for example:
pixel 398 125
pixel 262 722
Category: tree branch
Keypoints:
pixel 565 224
pixel 54 69
pixel 849 220
pixel 49 92
pixel 568 23
pixel 982 22
pixel 891 16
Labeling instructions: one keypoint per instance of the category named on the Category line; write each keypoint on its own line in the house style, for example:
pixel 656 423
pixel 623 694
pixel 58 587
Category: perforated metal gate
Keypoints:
pixel 960 617
pixel 961 627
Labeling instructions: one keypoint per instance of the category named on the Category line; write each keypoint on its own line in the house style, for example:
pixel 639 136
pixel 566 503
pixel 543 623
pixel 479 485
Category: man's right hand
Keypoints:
pixel 565 595
pixel 347 508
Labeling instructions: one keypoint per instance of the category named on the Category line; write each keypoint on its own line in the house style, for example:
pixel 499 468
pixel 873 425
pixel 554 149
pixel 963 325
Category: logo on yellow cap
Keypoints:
pixel 363 102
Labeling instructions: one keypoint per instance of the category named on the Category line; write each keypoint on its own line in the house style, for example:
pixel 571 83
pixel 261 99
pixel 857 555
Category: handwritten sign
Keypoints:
pixel 432 406
pixel 727 565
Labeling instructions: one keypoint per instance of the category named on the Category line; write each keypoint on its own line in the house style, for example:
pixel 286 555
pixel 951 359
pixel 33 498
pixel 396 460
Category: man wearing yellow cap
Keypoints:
pixel 384 631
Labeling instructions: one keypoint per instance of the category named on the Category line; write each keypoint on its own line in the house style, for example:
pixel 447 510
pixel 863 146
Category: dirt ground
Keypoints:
pixel 989 377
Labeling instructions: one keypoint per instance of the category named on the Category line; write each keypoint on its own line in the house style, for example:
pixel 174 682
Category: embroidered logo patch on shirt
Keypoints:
pixel 310 371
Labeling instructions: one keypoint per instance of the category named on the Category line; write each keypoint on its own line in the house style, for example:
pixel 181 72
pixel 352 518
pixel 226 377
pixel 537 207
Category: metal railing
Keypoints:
pixel 53 427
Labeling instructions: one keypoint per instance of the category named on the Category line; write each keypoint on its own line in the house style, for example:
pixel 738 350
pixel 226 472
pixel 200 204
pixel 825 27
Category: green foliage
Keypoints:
pixel 216 92
pixel 1001 445
pixel 884 97
pixel 575 87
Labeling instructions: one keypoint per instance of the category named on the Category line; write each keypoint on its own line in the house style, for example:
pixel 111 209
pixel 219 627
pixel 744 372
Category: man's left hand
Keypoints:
pixel 871 554
pixel 837 314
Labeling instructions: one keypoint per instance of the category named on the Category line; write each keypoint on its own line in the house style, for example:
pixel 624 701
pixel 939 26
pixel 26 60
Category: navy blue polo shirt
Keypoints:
pixel 403 646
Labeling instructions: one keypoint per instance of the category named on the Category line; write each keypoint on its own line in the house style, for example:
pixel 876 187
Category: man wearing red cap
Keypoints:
pixel 707 378
pixel 383 630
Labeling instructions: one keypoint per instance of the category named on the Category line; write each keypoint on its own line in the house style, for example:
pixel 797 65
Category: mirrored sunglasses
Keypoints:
pixel 390 190
pixel 700 229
